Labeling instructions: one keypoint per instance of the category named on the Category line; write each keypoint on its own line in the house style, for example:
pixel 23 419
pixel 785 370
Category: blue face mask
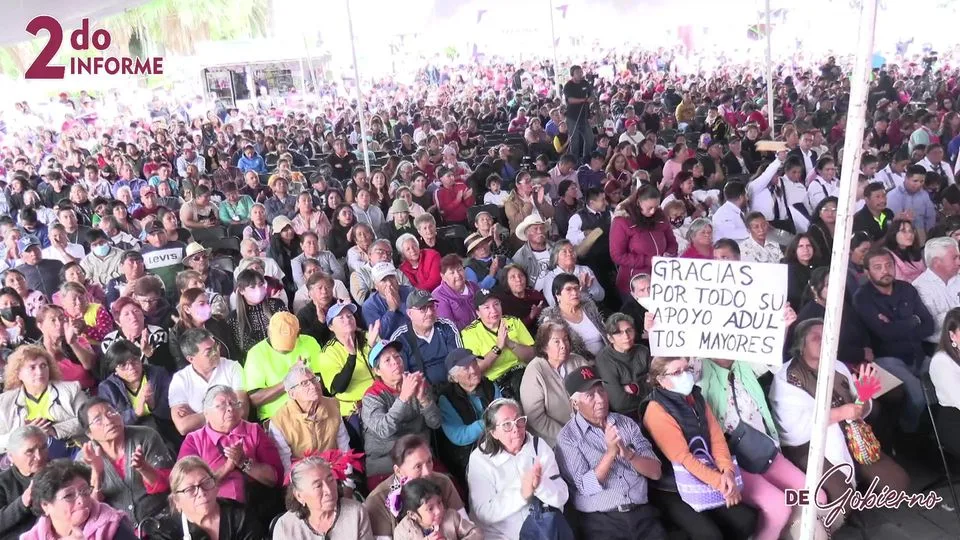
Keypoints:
pixel 682 383
pixel 101 250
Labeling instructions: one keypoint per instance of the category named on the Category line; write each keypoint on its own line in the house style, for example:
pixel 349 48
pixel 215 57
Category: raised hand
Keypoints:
pixel 409 387
pixel 373 334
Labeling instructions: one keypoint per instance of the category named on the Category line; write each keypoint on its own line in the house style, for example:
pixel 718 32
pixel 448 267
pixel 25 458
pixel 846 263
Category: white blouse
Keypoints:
pixel 946 379
pixel 498 507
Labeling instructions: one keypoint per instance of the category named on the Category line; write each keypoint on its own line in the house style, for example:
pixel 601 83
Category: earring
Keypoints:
pixel 955 346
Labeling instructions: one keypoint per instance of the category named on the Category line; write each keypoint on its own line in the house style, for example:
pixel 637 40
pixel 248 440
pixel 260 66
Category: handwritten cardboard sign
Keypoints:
pixel 718 309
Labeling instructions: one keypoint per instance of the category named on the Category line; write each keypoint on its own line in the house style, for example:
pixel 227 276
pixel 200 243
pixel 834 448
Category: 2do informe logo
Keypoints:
pixel 82 39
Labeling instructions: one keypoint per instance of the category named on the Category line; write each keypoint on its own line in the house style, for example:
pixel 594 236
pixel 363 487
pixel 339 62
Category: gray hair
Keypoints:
pixel 403 239
pixel 383 241
pixel 937 247
pixel 300 467
pixel 696 226
pixel 556 251
pixel 294 376
pixel 424 218
pixel 213 392
pixel 191 339
pixel 612 323
pixel 19 437
pixel 454 374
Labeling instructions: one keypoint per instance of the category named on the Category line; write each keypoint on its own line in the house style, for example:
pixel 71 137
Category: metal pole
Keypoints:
pixel 770 81
pixel 553 44
pixel 313 74
pixel 360 104
pixel 856 120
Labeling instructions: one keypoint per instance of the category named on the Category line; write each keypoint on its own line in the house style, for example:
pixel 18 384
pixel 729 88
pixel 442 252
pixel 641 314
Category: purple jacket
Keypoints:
pixel 457 307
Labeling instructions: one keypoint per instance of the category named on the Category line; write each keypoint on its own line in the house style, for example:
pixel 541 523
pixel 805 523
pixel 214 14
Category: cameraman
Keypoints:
pixel 578 93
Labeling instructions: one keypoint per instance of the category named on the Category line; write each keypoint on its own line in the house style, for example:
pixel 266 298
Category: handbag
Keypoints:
pixel 695 492
pixel 543 522
pixel 861 441
pixel 754 449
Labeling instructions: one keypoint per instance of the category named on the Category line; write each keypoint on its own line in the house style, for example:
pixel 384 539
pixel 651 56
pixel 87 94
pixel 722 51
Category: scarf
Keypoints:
pixel 715 385
pixel 393 501
pixel 804 377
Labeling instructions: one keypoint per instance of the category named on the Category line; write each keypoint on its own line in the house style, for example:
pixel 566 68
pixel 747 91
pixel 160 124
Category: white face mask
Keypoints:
pixel 682 383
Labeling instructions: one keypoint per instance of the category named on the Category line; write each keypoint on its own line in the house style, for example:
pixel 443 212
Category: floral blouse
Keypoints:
pixel 751 251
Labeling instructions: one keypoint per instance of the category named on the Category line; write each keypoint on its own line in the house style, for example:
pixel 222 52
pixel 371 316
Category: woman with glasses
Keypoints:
pixel 578 314
pixel 198 513
pixel 317 509
pixel 137 391
pixel 130 463
pixel 507 469
pixel 822 229
pixel 623 365
pixel 61 496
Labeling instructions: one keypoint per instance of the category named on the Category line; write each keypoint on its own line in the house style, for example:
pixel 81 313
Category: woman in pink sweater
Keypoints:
pixel 639 233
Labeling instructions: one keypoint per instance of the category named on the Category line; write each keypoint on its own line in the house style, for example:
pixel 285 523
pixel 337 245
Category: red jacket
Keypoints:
pixel 633 248
pixel 426 275
pixel 451 209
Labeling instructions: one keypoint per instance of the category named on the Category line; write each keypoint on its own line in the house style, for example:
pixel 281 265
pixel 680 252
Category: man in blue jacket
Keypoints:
pixel 387 304
pixel 898 322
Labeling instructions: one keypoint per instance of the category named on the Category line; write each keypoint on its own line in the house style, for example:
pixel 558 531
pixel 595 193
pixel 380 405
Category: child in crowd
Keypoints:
pixel 494 195
pixel 427 518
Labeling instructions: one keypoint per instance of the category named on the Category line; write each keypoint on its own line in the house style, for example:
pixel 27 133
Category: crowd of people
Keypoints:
pixel 221 324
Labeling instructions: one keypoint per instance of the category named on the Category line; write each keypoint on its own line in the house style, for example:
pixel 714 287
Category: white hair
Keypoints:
pixel 213 392
pixel 937 247
pixel 404 238
pixel 454 374
pixel 20 436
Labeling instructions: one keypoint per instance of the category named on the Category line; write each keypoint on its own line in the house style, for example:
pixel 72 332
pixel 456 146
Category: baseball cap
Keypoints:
pixel 581 380
pixel 283 331
pixel 131 255
pixel 337 308
pixel 382 270
pixel 459 357
pixel 27 242
pixel 481 296
pixel 629 122
pixel 379 348
pixel 419 298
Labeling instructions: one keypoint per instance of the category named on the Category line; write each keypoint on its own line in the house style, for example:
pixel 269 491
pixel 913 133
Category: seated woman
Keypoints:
pixel 132 327
pixel 623 366
pixel 454 296
pixel 542 393
pixel 138 391
pixel 191 279
pixel 130 463
pixel 582 318
pixel 362 237
pixel 700 240
pixel 195 311
pixel 245 461
pixel 316 508
pixel 275 287
pixel 945 373
pixel 800 258
pixel 397 404
pixel 74 273
pixel 251 319
pixel 500 503
pixel 903 241
pixel 676 416
pixel 759 248
pixel 73 354
pixel 412 460
pixel 27 449
pixel 198 512
pixel 34 393
pixel 792 402
pixel 308 423
pixel 259 228
pixel 32 300
pixel 519 299
pixel 92 321
pixel 61 496
pixel 822 228
pixel 425 515
pixel 563 260
pixel 421 266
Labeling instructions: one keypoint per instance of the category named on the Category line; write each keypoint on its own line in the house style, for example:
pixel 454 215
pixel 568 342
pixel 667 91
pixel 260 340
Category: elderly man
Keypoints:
pixel 27 449
pixel 308 422
pixel 197 257
pixel 939 285
pixel 361 280
pixel 269 361
pixel 206 369
pixel 130 464
pixel 426 339
pixel 605 459
pixel 503 343
pixel 386 305
pixel 534 256
pixel 42 274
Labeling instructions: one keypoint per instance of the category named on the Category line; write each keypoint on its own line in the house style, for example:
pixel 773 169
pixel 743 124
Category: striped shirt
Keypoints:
pixel 580 447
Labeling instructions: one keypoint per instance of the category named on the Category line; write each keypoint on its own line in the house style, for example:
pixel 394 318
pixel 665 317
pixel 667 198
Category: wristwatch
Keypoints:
pixel 245 466
pixel 496 350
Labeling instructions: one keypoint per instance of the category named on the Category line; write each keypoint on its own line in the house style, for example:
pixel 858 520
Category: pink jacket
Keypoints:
pixel 103 524
pixel 633 248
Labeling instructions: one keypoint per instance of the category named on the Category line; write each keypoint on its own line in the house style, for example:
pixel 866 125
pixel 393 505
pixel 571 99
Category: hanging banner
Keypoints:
pixel 718 309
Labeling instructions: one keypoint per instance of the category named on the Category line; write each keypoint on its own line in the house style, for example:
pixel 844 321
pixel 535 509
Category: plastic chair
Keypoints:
pixel 208 235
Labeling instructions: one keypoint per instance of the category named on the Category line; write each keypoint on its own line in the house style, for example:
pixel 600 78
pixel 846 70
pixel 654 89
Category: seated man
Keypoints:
pixel 206 369
pixel 362 282
pixel 27 448
pixel 939 285
pixel 269 361
pixel 131 464
pixel 605 459
pixel 503 341
pixel 310 244
pixel 427 339
pixel 308 423
pixel 386 305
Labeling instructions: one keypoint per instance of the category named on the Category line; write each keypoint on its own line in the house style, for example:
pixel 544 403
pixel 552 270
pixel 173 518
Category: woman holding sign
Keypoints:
pixel 639 232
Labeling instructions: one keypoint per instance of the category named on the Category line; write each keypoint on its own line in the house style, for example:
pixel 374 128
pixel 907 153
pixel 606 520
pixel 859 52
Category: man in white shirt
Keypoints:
pixel 60 249
pixel 206 369
pixel 632 136
pixel 781 199
pixel 892 175
pixel 728 220
pixel 933 162
pixel 939 285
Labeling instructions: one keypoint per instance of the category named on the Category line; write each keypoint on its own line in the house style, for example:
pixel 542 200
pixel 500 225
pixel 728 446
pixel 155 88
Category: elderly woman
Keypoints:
pixel 35 394
pixel 759 248
pixel 72 351
pixel 27 449
pixel 244 459
pixel 363 236
pixel 793 403
pixel 462 403
pixel 519 299
pixel 61 496
pixel 308 423
pixel 92 321
pixel 397 404
pixel 259 228
pixel 678 418
pixel 315 507
pixel 136 390
pixel 454 296
pixel 130 463
pixel 542 394
pixel 581 317
pixel 563 260
pixel 199 513
pixel 507 469
pixel 700 238
pixel 623 366
pixel 132 327
pixel 195 311
pixel 421 266
pixel 411 459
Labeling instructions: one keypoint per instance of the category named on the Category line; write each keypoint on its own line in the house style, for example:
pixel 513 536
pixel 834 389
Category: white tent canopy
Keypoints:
pixel 18 13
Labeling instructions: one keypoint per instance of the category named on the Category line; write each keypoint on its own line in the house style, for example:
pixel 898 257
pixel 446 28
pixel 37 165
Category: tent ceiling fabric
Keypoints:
pixel 17 13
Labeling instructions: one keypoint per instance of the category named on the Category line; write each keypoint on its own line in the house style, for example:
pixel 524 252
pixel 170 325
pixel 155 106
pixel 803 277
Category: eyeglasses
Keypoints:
pixel 99 419
pixel 195 491
pixel 674 374
pixel 148 300
pixel 70 497
pixel 509 425
pixel 627 330
pixel 307 383
pixel 224 406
